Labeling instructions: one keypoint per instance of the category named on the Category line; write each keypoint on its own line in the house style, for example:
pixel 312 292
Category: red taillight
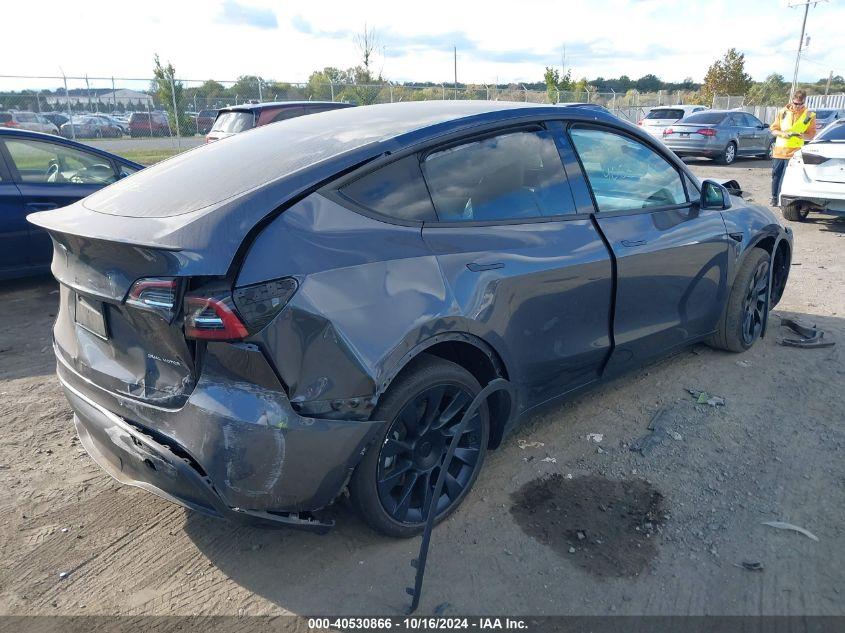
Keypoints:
pixel 212 318
pixel 155 293
pixel 640 122
pixel 668 131
pixel 10 123
pixel 707 131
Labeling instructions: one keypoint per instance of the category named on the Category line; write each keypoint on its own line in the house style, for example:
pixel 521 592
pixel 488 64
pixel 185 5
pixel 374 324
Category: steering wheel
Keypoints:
pixel 98 173
pixel 52 173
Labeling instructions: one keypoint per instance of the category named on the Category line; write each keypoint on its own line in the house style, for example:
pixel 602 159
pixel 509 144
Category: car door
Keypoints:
pixel 671 256
pixel 745 134
pixel 530 274
pixel 14 229
pixel 760 133
pixel 50 175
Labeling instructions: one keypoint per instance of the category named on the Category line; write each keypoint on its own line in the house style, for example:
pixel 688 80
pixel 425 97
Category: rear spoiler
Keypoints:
pixel 733 188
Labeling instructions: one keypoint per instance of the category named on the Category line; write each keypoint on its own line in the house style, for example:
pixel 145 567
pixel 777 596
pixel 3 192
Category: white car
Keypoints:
pixel 814 179
pixel 660 118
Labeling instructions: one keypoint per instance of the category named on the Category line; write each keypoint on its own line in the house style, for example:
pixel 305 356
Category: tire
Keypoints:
pixel 728 155
pixel 795 212
pixel 386 488
pixel 741 323
pixel 770 152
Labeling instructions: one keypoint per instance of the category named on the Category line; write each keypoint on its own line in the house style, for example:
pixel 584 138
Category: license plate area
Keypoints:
pixel 89 315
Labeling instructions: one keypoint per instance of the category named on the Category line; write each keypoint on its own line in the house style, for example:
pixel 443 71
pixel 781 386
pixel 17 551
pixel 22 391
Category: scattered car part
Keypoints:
pixel 781 525
pixel 418 563
pixel 811 336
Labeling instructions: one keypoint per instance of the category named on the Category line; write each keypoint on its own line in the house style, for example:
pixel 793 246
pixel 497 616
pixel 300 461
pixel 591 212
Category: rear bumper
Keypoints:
pixel 825 196
pixel 701 146
pixel 236 451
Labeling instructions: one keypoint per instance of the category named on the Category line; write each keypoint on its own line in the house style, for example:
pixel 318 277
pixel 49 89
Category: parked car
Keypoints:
pixel 658 119
pixel 826 116
pixel 41 172
pixel 814 179
pixel 205 119
pixel 27 121
pixel 248 326
pixel 722 135
pixel 115 124
pixel 91 126
pixel 153 123
pixel 235 119
pixel 56 118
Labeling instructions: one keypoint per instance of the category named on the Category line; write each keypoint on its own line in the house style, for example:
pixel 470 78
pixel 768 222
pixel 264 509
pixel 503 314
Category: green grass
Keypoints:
pixel 148 156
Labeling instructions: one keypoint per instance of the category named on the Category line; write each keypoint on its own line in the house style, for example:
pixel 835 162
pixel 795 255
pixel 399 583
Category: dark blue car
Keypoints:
pixel 253 326
pixel 40 172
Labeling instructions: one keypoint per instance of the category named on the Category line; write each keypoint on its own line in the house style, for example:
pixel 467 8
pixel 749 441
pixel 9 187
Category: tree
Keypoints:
pixel 366 87
pixel 170 91
pixel 649 83
pixel 552 78
pixel 773 91
pixel 726 76
pixel 368 43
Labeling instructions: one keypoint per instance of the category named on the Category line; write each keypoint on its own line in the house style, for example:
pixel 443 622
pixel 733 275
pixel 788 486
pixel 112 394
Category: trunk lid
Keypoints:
pixel 828 161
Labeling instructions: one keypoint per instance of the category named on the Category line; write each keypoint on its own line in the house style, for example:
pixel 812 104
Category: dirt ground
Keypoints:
pixel 693 506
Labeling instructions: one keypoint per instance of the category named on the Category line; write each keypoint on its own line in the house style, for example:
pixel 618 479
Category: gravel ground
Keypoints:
pixel 536 536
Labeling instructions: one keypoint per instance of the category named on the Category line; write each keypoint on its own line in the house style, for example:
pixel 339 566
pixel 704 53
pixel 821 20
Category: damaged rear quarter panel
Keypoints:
pixel 368 292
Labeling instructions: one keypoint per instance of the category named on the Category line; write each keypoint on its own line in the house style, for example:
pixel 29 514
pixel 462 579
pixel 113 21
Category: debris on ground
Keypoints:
pixel 811 336
pixel 744 363
pixel 750 565
pixel 63 575
pixel 658 432
pixel 523 444
pixel 781 525
pixel 702 397
pixel 551 460
pixel 440 609
pixel 595 438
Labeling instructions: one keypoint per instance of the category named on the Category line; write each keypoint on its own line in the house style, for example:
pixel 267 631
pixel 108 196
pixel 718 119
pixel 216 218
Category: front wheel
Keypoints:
pixel 742 321
pixel 394 483
pixel 728 156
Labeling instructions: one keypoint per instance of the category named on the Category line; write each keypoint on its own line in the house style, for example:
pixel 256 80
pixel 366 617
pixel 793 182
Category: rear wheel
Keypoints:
pixel 393 485
pixel 771 151
pixel 795 212
pixel 742 323
pixel 728 155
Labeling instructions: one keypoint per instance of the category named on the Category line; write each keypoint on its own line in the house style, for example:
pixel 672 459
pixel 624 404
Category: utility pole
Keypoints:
pixel 806 6
pixel 455 53
pixel 829 79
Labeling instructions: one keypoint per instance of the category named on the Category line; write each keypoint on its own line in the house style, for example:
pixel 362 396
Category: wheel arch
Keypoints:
pixel 472 353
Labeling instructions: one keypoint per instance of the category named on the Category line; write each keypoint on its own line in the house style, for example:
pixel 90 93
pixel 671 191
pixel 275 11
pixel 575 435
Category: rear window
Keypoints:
pixel 233 122
pixel 834 133
pixel 705 118
pixel 823 114
pixel 396 190
pixel 207 114
pixel 5 117
pixel 137 117
pixel 666 114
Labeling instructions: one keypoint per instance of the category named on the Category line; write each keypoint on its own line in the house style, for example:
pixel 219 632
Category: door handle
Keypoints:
pixel 737 237
pixel 630 243
pixel 41 206
pixel 477 268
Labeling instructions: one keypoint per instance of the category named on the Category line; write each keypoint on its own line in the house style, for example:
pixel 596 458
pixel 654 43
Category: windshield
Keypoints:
pixel 233 122
pixel 707 118
pixel 666 114
pixel 833 134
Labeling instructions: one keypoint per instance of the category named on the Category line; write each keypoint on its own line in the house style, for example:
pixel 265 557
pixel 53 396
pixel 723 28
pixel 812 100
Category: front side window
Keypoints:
pixel 625 174
pixel 49 163
pixel 396 190
pixel 513 176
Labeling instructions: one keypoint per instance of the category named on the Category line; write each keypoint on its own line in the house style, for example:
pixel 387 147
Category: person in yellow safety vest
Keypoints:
pixel 793 125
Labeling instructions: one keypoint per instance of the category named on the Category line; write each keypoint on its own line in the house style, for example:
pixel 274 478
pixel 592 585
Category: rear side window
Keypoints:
pixel 705 118
pixel 513 176
pixel 625 174
pixel 233 122
pixel 396 190
pixel 287 113
pixel 666 114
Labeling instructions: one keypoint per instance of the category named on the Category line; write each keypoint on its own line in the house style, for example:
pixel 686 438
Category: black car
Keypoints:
pixel 252 326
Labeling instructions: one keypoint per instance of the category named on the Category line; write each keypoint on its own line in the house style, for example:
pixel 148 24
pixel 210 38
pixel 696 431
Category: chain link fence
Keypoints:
pixel 142 107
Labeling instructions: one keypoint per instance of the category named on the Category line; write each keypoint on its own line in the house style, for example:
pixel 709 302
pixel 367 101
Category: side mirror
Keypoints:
pixel 714 196
pixel 763 126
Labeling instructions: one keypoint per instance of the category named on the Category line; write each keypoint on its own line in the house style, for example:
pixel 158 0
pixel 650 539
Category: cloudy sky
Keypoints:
pixel 287 39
